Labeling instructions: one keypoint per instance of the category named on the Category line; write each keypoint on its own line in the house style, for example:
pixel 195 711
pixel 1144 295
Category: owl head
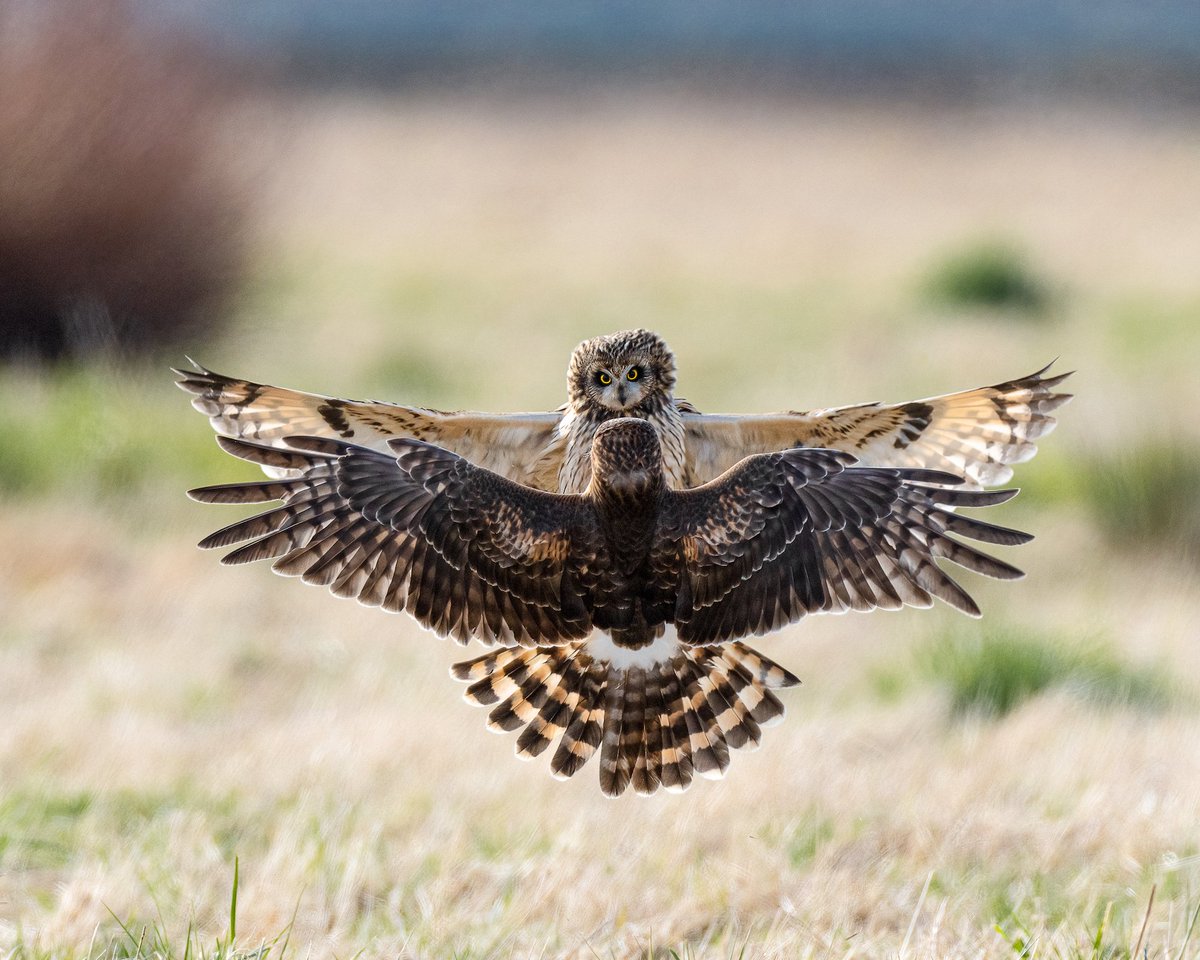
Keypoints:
pixel 631 373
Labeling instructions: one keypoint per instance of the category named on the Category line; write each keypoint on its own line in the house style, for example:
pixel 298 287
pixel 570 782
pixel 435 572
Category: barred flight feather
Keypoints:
pixel 976 434
pixel 349 524
pixel 655 724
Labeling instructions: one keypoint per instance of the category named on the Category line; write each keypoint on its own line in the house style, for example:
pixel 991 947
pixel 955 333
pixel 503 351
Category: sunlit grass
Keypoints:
pixel 153 939
pixel 103 434
pixel 1121 932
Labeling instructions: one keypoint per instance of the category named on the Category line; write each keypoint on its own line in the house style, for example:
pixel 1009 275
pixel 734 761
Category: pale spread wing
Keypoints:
pixel 522 446
pixel 465 551
pixel 975 434
pixel 803 531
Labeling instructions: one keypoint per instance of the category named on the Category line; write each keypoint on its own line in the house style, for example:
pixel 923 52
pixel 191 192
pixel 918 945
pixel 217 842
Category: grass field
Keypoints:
pixel 1025 785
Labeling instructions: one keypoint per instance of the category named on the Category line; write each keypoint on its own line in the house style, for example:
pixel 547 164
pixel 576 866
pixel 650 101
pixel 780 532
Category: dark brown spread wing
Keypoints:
pixel 804 531
pixel 465 551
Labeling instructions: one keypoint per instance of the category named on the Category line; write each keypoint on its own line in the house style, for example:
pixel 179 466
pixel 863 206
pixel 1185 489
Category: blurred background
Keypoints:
pixel 815 204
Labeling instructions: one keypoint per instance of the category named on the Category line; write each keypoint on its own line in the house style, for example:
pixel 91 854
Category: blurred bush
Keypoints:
pixel 994 669
pixel 987 273
pixel 119 216
pixel 1146 496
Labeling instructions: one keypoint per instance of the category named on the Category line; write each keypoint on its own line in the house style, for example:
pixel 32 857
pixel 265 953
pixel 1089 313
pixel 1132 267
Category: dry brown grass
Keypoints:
pixel 210 713
pixel 160 715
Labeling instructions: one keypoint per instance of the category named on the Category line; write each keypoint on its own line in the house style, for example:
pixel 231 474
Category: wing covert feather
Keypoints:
pixel 975 434
pixel 521 446
pixel 465 551
pixel 806 530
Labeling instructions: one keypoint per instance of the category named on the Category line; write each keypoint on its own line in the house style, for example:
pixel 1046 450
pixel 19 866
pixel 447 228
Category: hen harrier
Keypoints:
pixel 616 612
pixel 975 434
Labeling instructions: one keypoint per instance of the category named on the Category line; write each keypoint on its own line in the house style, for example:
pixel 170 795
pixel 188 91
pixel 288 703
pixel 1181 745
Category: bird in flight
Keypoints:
pixel 614 615
pixel 976 434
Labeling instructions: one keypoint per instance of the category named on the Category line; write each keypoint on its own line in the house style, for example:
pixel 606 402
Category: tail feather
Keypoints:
pixel 611 781
pixel 653 740
pixel 630 762
pixel 515 690
pixel 560 701
pixel 582 736
pixel 476 669
pixel 761 704
pixel 645 741
pixel 732 714
pixel 503 680
pixel 655 724
pixel 710 755
pixel 677 758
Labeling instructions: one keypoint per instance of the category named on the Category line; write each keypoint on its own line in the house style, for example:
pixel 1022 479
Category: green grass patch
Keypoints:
pixel 1122 929
pixel 801 838
pixel 992 274
pixel 416 375
pixel 1151 331
pixel 1141 496
pixel 997 670
pixel 1146 496
pixel 47 829
pixel 104 433
pixel 807 839
pixel 40 832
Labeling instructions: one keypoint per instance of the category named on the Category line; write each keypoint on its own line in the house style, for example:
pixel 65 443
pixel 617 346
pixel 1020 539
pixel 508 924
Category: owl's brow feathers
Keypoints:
pixel 616 349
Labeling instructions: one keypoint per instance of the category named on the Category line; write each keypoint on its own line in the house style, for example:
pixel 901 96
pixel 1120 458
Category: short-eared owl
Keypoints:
pixel 616 613
pixel 975 434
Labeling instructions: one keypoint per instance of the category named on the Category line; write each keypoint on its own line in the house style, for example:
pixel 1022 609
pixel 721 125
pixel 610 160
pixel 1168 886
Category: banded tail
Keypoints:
pixel 655 722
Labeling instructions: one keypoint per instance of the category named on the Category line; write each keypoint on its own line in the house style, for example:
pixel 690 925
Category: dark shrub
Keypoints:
pixel 119 216
pixel 990 274
pixel 994 670
pixel 1147 496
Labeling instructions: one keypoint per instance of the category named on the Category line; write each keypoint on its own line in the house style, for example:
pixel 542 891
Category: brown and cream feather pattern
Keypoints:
pixel 977 434
pixel 616 615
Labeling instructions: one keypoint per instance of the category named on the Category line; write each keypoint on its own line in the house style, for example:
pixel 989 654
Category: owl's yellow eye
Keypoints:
pixel 605 379
pixel 633 373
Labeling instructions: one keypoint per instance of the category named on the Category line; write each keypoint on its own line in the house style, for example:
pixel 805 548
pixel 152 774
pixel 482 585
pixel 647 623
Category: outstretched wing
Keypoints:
pixel 803 531
pixel 521 446
pixel 465 551
pixel 975 434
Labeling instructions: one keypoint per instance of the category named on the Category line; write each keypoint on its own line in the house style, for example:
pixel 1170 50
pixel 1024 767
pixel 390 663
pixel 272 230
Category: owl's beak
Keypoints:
pixel 621 394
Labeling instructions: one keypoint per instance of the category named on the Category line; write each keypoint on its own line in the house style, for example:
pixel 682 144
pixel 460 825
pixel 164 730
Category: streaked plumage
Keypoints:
pixel 618 612
pixel 976 434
